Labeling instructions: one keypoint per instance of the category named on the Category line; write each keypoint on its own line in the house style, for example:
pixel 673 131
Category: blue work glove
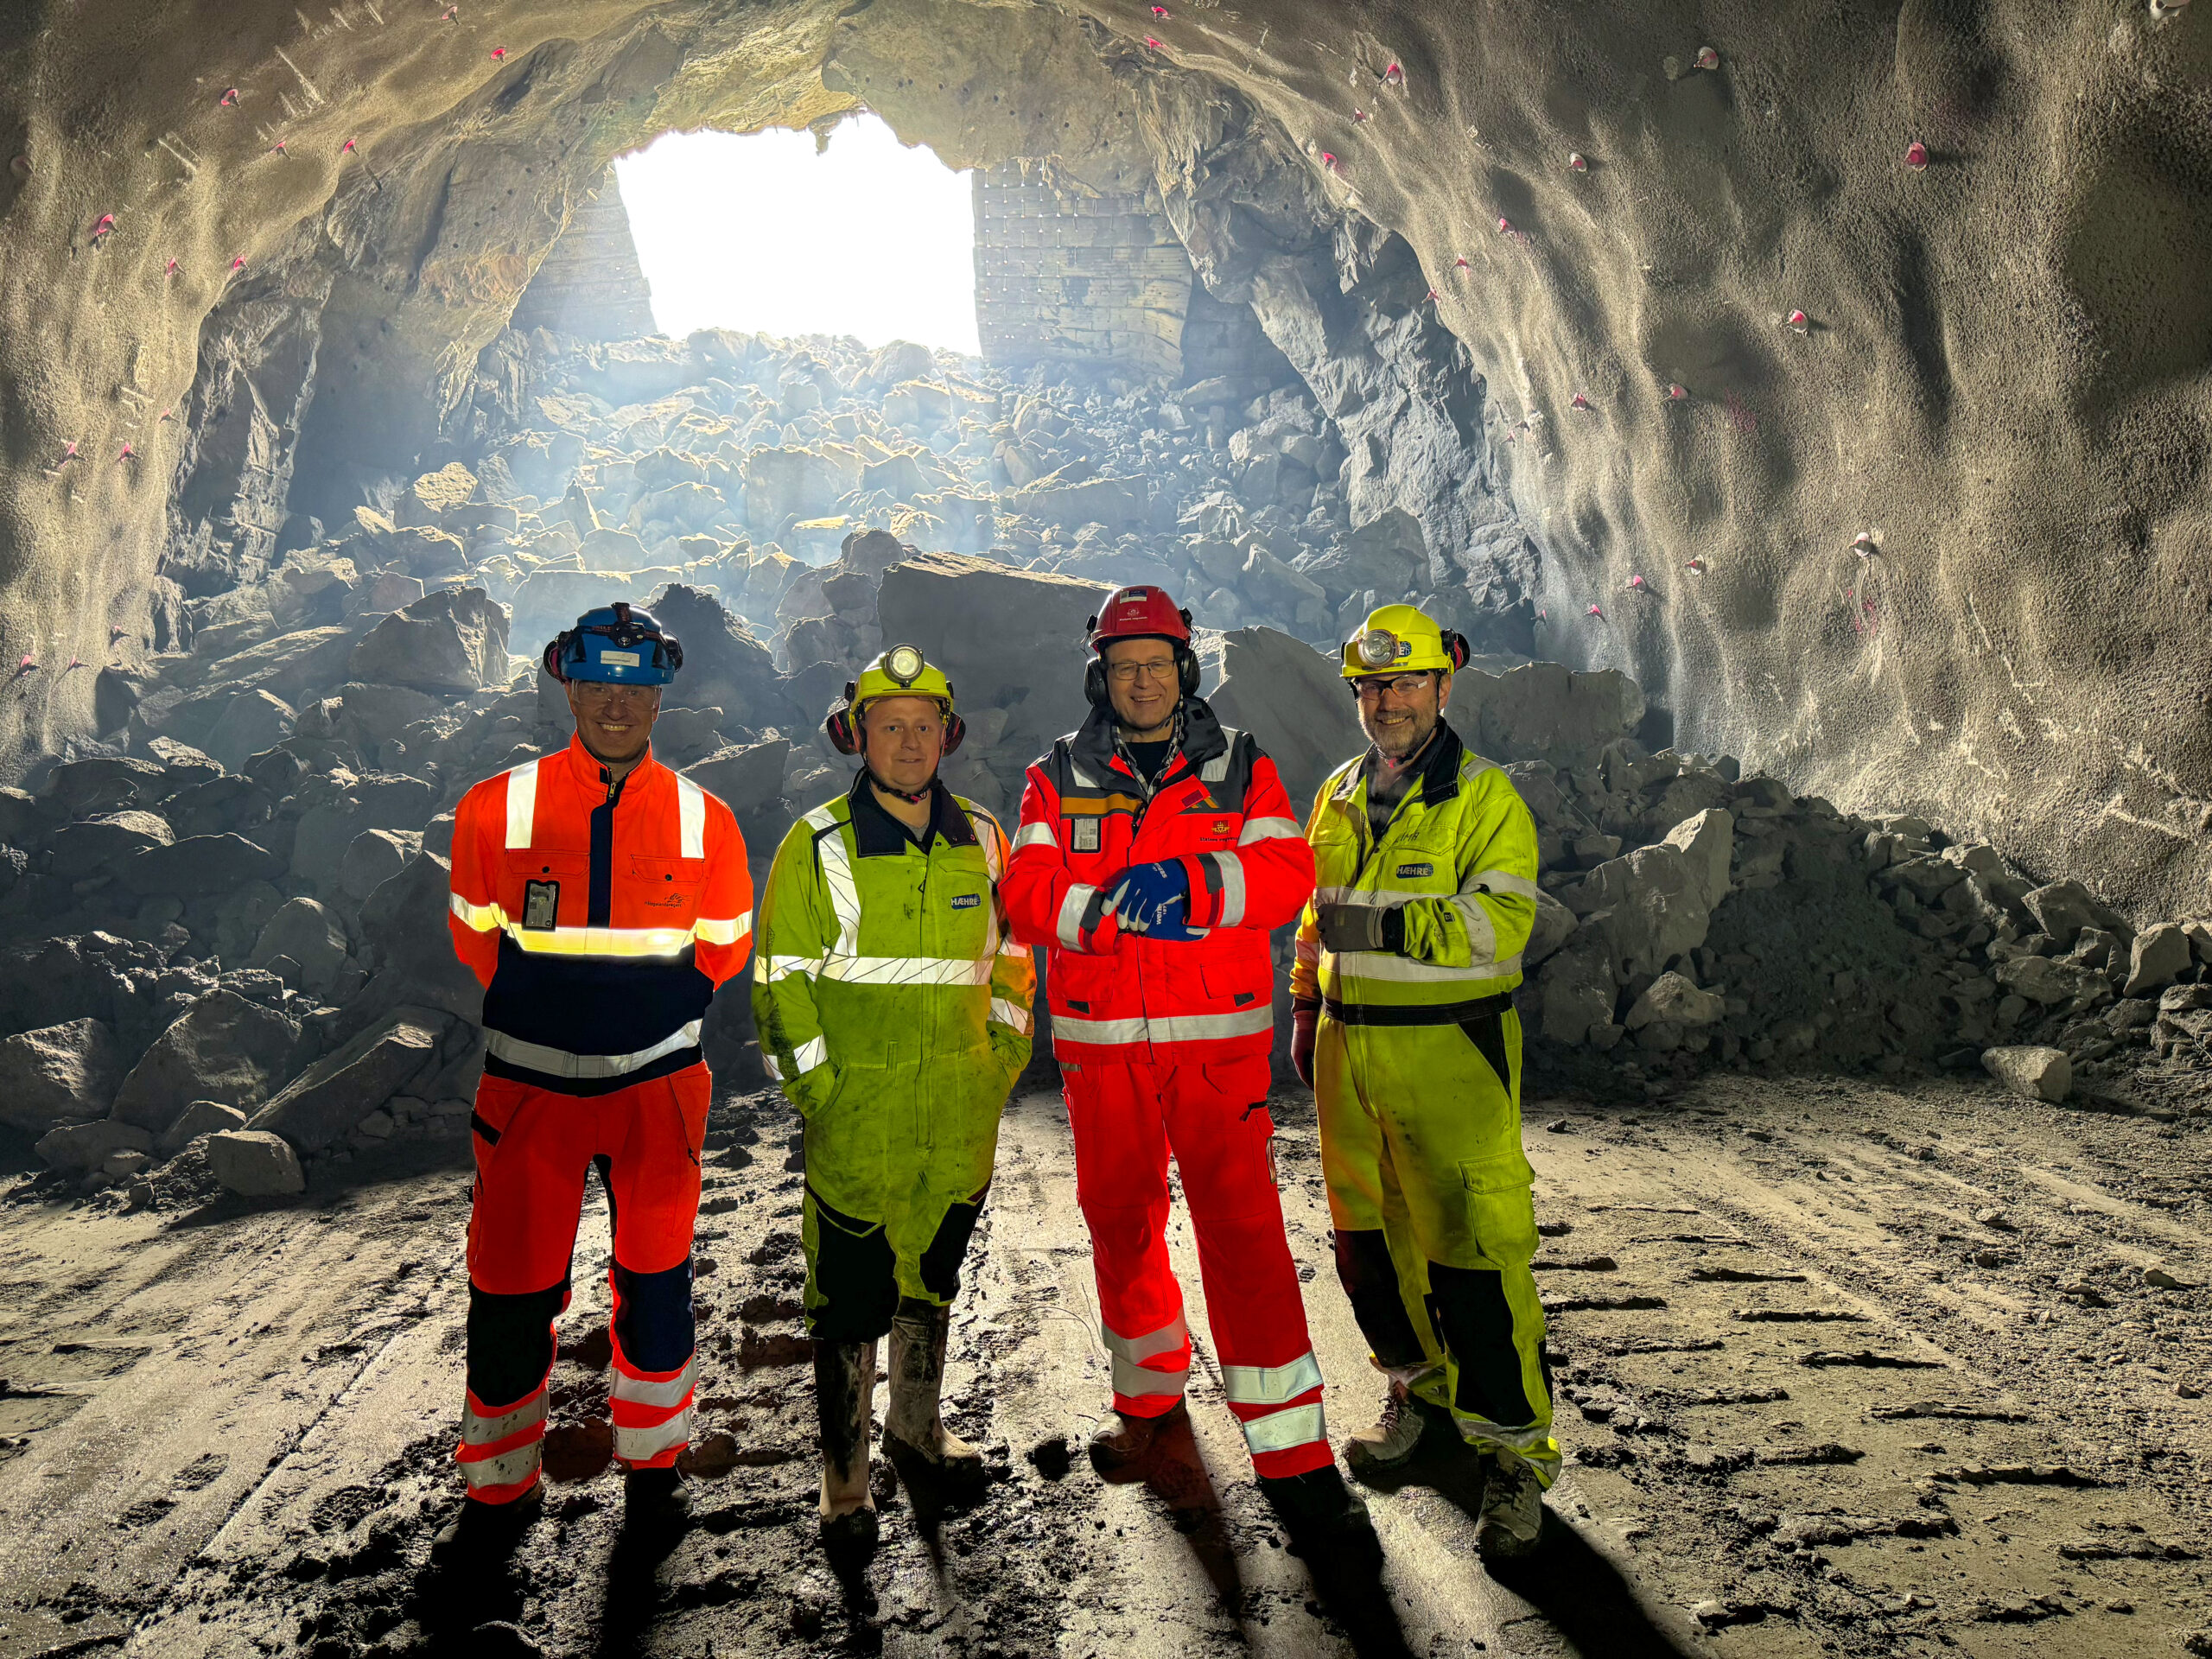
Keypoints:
pixel 1151 900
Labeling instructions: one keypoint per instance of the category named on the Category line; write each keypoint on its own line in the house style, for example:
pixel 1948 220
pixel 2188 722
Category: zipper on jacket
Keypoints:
pixel 601 911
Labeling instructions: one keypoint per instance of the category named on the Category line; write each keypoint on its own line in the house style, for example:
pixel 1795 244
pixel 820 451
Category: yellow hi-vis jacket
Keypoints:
pixel 1458 855
pixel 893 1004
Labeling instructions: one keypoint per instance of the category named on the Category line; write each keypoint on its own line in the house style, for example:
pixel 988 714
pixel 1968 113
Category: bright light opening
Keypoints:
pixel 760 232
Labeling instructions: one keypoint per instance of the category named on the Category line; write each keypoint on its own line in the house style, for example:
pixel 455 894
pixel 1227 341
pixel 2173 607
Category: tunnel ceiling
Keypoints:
pixel 1540 261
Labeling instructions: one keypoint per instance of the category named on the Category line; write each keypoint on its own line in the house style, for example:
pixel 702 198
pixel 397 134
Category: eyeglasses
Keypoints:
pixel 1398 685
pixel 607 691
pixel 1126 673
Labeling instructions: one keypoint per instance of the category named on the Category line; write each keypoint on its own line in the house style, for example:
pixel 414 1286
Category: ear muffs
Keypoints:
pixel 554 651
pixel 1186 675
pixel 955 730
pixel 1456 648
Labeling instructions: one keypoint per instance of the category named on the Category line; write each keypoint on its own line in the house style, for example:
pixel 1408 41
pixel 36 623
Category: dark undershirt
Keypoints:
pixel 1148 758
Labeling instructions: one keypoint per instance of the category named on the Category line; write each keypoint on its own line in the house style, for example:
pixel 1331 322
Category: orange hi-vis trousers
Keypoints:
pixel 533 1149
pixel 1211 1115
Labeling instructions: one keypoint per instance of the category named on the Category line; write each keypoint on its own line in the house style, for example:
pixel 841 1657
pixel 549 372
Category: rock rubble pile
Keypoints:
pixel 223 961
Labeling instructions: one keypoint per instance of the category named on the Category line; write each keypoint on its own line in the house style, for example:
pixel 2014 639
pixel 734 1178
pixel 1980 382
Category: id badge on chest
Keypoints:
pixel 1083 835
pixel 541 906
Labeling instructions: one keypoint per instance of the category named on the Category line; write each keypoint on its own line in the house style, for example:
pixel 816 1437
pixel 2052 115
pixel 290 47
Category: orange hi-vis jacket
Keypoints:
pixel 1219 809
pixel 600 917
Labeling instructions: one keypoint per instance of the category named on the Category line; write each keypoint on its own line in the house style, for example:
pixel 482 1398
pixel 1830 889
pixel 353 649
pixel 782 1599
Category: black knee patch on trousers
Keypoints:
pixel 652 1317
pixel 510 1342
pixel 1370 1281
pixel 855 1276
pixel 1488 1035
pixel 1475 1323
pixel 940 1263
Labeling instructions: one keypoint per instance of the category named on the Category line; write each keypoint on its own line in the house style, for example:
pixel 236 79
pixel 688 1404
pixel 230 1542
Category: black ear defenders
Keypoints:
pixel 844 732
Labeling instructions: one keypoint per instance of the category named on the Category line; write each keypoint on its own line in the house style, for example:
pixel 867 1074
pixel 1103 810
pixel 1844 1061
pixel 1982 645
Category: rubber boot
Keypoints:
pixel 844 1395
pixel 483 1536
pixel 1120 1450
pixel 1320 1513
pixel 656 1499
pixel 915 1438
pixel 1513 1507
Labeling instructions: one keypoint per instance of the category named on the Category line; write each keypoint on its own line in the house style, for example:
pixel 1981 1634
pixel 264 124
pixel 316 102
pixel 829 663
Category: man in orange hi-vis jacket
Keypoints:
pixel 601 898
pixel 1157 849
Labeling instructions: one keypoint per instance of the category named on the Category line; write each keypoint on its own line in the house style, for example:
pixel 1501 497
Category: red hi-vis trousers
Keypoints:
pixel 1127 1118
pixel 533 1147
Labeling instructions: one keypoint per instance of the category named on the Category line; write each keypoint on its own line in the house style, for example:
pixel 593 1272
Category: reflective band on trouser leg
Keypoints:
pixel 1143 1391
pixel 500 1451
pixel 652 1415
pixel 1271 1385
pixel 1285 1430
pixel 1537 1446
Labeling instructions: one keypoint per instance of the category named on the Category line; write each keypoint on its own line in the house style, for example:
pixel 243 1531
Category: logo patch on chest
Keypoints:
pixel 1416 869
pixel 966 900
pixel 1083 835
pixel 541 904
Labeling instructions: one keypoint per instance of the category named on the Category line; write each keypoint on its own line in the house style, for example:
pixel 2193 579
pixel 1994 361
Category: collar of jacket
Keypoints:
pixel 591 771
pixel 1202 739
pixel 877 834
pixel 1439 769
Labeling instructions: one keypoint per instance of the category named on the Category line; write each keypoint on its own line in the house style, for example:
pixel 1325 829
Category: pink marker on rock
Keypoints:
pixel 1915 157
pixel 1594 610
pixel 1798 320
pixel 1580 402
pixel 1676 392
pixel 1576 161
pixel 1708 58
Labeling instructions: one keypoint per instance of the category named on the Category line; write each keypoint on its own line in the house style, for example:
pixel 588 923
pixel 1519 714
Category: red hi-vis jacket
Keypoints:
pixel 600 917
pixel 1219 808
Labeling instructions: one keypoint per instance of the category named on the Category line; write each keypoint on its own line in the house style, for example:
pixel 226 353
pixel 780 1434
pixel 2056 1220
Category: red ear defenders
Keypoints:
pixel 1456 647
pixel 844 732
pixel 1186 664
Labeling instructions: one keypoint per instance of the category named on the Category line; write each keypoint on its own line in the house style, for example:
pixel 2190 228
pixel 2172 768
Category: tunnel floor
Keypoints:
pixel 1842 1368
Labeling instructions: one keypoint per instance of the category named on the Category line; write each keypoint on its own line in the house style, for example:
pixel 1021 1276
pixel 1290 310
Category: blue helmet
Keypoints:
pixel 616 644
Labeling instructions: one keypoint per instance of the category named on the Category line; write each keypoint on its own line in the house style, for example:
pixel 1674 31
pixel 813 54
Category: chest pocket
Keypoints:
pixel 666 890
pixel 542 886
pixel 1418 855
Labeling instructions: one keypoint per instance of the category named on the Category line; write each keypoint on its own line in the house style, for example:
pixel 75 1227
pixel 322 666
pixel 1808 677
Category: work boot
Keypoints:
pixel 656 1498
pixel 844 1397
pixel 1513 1507
pixel 915 1438
pixel 1378 1453
pixel 1321 1514
pixel 484 1534
pixel 1119 1450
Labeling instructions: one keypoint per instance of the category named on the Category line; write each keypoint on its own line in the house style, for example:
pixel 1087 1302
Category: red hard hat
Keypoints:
pixel 1141 613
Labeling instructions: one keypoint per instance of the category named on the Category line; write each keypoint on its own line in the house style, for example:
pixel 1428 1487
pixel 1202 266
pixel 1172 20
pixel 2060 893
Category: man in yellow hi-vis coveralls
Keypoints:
pixel 894 1009
pixel 1403 1023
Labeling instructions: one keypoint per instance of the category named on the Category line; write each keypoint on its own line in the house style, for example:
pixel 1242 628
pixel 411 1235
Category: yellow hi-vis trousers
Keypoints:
pixel 1436 1227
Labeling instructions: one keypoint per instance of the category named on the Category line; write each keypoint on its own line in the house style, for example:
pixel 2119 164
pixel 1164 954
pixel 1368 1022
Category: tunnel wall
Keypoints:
pixel 2004 382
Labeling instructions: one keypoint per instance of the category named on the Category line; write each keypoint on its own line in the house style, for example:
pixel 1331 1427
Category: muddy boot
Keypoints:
pixel 1380 1454
pixel 483 1536
pixel 1513 1507
pixel 915 1438
pixel 844 1394
pixel 1324 1517
pixel 1121 1448
pixel 655 1498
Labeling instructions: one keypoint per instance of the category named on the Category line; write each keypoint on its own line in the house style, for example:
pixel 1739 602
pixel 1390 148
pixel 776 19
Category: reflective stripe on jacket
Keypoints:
pixel 1219 809
pixel 599 917
pixel 875 954
pixel 1459 855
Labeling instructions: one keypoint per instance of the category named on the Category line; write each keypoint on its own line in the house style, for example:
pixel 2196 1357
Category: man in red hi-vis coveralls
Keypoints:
pixel 602 899
pixel 1156 850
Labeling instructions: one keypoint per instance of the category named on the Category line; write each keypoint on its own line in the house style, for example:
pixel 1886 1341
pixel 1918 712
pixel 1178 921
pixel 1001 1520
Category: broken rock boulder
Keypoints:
pixel 105 842
pixel 223 1048
pixel 328 1101
pixel 60 1074
pixel 1291 697
pixel 308 932
pixel 2157 957
pixel 1576 992
pixel 200 865
pixel 1708 842
pixel 2032 1073
pixel 453 640
pixel 1554 925
pixel 87 1146
pixel 1650 906
pixel 1675 998
pixel 201 1117
pixel 2062 909
pixel 255 1164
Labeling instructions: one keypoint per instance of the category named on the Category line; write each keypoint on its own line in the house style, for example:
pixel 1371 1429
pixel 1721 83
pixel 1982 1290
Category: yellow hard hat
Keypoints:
pixel 901 671
pixel 1400 640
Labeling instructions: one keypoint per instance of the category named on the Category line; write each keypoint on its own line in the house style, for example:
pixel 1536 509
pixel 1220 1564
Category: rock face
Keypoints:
pixel 63 1074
